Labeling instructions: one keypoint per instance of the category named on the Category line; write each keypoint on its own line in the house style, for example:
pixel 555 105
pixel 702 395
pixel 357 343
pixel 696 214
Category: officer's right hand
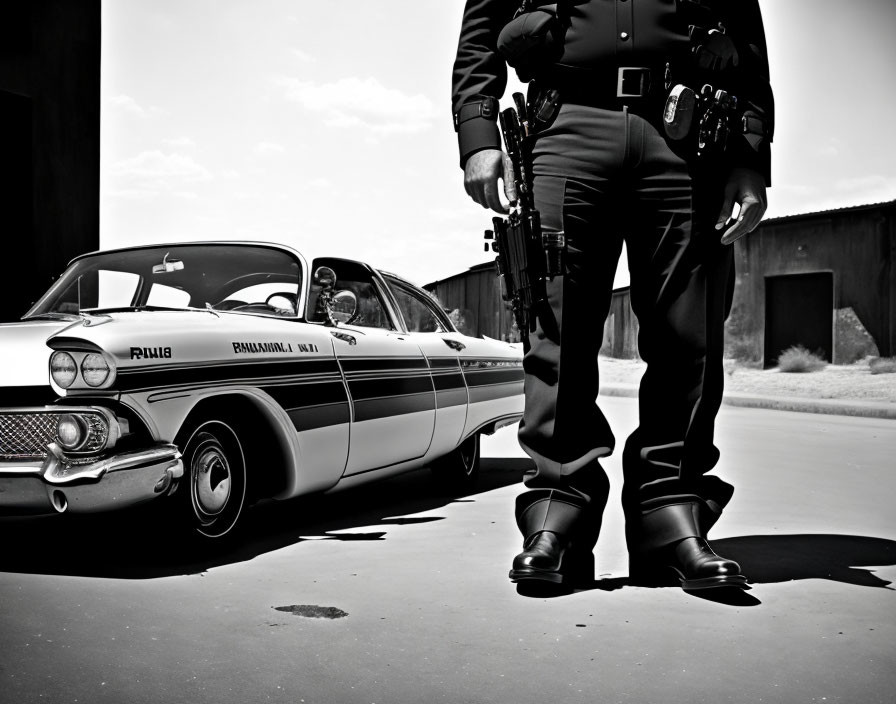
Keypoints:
pixel 481 175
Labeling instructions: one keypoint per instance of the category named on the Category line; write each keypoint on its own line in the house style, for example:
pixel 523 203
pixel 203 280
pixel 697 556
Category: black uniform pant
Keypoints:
pixel 605 176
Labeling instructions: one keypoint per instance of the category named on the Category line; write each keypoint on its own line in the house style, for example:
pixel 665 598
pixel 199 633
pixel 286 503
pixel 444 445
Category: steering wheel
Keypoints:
pixel 288 298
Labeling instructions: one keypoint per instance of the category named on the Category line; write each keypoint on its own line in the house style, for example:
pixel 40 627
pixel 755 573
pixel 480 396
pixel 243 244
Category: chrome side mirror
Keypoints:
pixel 324 277
pixel 343 306
pixel 339 306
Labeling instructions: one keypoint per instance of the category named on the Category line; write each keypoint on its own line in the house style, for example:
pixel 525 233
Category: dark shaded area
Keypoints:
pixel 798 312
pixel 767 559
pixel 312 611
pixel 50 141
pixel 143 543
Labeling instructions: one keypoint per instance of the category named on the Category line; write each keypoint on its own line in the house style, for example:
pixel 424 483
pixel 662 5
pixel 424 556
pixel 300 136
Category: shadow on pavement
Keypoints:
pixel 141 544
pixel 768 559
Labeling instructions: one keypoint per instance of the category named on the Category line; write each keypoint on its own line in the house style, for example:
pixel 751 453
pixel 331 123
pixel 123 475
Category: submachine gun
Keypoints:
pixel 526 256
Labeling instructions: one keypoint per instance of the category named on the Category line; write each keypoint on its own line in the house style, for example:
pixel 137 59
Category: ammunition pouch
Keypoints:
pixel 532 40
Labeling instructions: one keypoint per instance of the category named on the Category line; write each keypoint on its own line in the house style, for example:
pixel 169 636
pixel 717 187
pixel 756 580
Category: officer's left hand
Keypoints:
pixel 746 187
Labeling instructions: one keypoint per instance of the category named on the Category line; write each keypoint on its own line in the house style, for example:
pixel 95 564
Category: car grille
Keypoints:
pixel 26 435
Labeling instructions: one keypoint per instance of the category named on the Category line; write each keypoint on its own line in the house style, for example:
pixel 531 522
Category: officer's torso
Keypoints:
pixel 623 32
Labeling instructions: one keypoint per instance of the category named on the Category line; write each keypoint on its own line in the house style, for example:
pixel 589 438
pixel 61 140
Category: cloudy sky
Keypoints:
pixel 327 125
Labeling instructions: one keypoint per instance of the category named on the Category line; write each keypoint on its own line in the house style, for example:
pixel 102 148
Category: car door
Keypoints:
pixel 492 370
pixel 430 329
pixel 387 376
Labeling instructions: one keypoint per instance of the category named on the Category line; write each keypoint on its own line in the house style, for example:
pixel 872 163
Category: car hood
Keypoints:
pixel 24 357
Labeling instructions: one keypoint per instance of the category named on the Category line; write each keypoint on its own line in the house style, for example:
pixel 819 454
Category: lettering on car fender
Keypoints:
pixel 150 353
pixel 267 347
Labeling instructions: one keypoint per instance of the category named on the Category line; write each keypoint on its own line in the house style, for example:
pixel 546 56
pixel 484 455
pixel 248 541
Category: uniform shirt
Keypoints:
pixel 605 34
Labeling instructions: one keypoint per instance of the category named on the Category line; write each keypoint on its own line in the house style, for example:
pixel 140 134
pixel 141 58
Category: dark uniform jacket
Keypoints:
pixel 606 34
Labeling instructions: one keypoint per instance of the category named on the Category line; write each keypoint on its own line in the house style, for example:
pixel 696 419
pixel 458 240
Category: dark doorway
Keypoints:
pixel 799 311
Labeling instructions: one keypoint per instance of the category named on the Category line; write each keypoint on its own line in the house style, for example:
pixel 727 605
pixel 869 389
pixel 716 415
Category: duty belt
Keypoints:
pixel 631 86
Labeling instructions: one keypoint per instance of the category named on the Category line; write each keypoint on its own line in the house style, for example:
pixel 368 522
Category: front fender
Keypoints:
pixel 309 460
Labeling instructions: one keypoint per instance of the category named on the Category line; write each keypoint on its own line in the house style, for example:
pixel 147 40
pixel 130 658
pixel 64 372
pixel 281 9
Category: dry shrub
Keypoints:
pixel 798 359
pixel 882 365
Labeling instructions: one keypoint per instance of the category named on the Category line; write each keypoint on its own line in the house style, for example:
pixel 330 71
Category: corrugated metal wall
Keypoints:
pixel 857 246
pixel 474 301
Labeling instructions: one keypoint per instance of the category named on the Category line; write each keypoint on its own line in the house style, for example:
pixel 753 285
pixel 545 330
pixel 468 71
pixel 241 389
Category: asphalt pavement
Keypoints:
pixel 397 593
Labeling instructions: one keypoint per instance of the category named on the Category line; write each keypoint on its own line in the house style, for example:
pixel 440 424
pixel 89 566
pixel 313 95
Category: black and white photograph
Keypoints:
pixel 481 351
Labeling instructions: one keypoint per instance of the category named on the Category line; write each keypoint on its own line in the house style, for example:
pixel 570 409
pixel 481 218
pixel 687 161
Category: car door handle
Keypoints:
pixel 345 337
pixel 454 344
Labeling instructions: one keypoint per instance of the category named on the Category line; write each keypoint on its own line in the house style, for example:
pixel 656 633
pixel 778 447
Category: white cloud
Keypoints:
pixel 268 149
pixel 303 56
pixel 867 183
pixel 154 172
pixel 127 104
pixel 367 103
pixel 180 142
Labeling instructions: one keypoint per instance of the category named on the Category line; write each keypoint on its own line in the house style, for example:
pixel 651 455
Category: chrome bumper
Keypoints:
pixel 54 485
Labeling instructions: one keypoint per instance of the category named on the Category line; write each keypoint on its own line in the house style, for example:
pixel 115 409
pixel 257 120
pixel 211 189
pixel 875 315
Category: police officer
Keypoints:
pixel 660 139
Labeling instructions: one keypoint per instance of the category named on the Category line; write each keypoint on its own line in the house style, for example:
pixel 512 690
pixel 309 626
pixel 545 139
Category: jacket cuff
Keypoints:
pixel 477 128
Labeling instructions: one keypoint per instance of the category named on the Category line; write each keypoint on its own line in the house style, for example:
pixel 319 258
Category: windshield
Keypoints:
pixel 219 276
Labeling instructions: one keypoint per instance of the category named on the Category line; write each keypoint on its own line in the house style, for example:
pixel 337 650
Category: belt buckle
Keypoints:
pixel 632 82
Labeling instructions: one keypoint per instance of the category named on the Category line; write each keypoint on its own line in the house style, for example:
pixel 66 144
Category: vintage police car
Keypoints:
pixel 222 373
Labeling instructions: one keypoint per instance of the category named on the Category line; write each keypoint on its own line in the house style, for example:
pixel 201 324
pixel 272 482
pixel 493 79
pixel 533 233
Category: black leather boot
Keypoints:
pixel 697 566
pixel 552 558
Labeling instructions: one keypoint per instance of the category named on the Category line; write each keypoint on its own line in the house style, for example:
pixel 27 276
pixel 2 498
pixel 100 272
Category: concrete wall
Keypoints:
pixel 50 132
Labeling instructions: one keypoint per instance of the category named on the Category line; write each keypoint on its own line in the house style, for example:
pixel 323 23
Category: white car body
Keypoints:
pixel 314 404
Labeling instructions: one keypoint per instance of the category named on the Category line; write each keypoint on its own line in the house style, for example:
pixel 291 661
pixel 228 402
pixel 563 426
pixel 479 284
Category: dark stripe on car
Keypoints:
pixel 381 388
pixel 313 393
pixel 448 380
pixel 131 379
pixel 490 379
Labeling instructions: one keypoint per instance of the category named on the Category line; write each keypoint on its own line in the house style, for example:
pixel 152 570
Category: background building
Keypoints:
pixel 826 281
pixel 49 142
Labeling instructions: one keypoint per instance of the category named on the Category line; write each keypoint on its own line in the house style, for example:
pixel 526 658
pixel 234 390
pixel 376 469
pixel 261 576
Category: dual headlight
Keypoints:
pixel 95 370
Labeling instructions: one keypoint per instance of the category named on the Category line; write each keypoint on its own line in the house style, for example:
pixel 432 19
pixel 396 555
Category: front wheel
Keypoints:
pixel 214 482
pixel 459 469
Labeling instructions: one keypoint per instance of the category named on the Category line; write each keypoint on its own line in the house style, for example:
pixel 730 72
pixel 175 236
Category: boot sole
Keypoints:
pixel 729 580
pixel 669 576
pixel 581 574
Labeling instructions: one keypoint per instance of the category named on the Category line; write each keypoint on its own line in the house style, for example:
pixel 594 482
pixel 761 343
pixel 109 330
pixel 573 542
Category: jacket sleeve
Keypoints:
pixel 480 76
pixel 750 142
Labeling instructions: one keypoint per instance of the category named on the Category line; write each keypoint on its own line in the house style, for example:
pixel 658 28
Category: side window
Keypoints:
pixel 351 276
pixel 417 313
pixel 371 312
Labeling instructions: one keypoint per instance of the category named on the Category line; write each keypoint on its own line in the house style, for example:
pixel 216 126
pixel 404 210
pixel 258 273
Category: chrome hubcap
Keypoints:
pixel 211 479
